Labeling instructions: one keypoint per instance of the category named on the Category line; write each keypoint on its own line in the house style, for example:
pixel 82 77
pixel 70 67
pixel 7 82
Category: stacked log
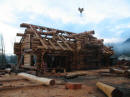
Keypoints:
pixel 84 49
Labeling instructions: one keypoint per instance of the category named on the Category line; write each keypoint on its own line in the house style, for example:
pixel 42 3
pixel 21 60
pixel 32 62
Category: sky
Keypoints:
pixel 110 19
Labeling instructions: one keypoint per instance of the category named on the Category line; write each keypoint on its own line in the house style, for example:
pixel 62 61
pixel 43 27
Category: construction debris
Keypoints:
pixel 73 86
pixel 82 86
pixel 118 71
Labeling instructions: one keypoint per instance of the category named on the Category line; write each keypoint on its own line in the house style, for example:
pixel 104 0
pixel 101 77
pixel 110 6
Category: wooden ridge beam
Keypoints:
pixel 44 28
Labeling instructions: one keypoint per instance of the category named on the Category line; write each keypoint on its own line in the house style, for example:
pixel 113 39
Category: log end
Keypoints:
pixel 117 93
pixel 25 25
pixel 52 82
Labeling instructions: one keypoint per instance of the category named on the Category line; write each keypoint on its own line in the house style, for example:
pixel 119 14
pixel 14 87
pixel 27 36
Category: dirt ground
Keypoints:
pixel 88 89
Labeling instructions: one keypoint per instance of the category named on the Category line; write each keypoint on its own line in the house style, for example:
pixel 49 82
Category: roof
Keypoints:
pixel 59 40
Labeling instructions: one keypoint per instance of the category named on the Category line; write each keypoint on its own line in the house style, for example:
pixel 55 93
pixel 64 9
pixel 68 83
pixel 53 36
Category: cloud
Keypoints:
pixel 6 14
pixel 122 26
pixel 9 35
pixel 67 11
pixel 113 40
pixel 14 12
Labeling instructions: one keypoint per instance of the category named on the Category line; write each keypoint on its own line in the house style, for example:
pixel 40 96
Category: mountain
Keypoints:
pixel 127 41
pixel 122 48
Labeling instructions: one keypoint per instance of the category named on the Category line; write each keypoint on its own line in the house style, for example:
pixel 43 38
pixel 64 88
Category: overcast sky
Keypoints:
pixel 109 18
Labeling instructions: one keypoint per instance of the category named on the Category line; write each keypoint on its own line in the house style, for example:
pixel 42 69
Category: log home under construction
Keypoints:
pixel 43 49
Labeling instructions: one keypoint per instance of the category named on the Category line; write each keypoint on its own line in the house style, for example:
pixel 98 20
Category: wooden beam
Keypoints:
pixel 39 37
pixel 44 28
pixel 65 42
pixel 52 44
pixel 40 32
pixel 20 34
pixel 60 45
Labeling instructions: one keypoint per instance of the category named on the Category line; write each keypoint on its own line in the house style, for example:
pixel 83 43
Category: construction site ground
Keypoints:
pixel 34 89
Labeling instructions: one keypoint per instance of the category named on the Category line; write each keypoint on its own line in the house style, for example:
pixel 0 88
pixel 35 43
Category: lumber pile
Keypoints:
pixel 55 48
